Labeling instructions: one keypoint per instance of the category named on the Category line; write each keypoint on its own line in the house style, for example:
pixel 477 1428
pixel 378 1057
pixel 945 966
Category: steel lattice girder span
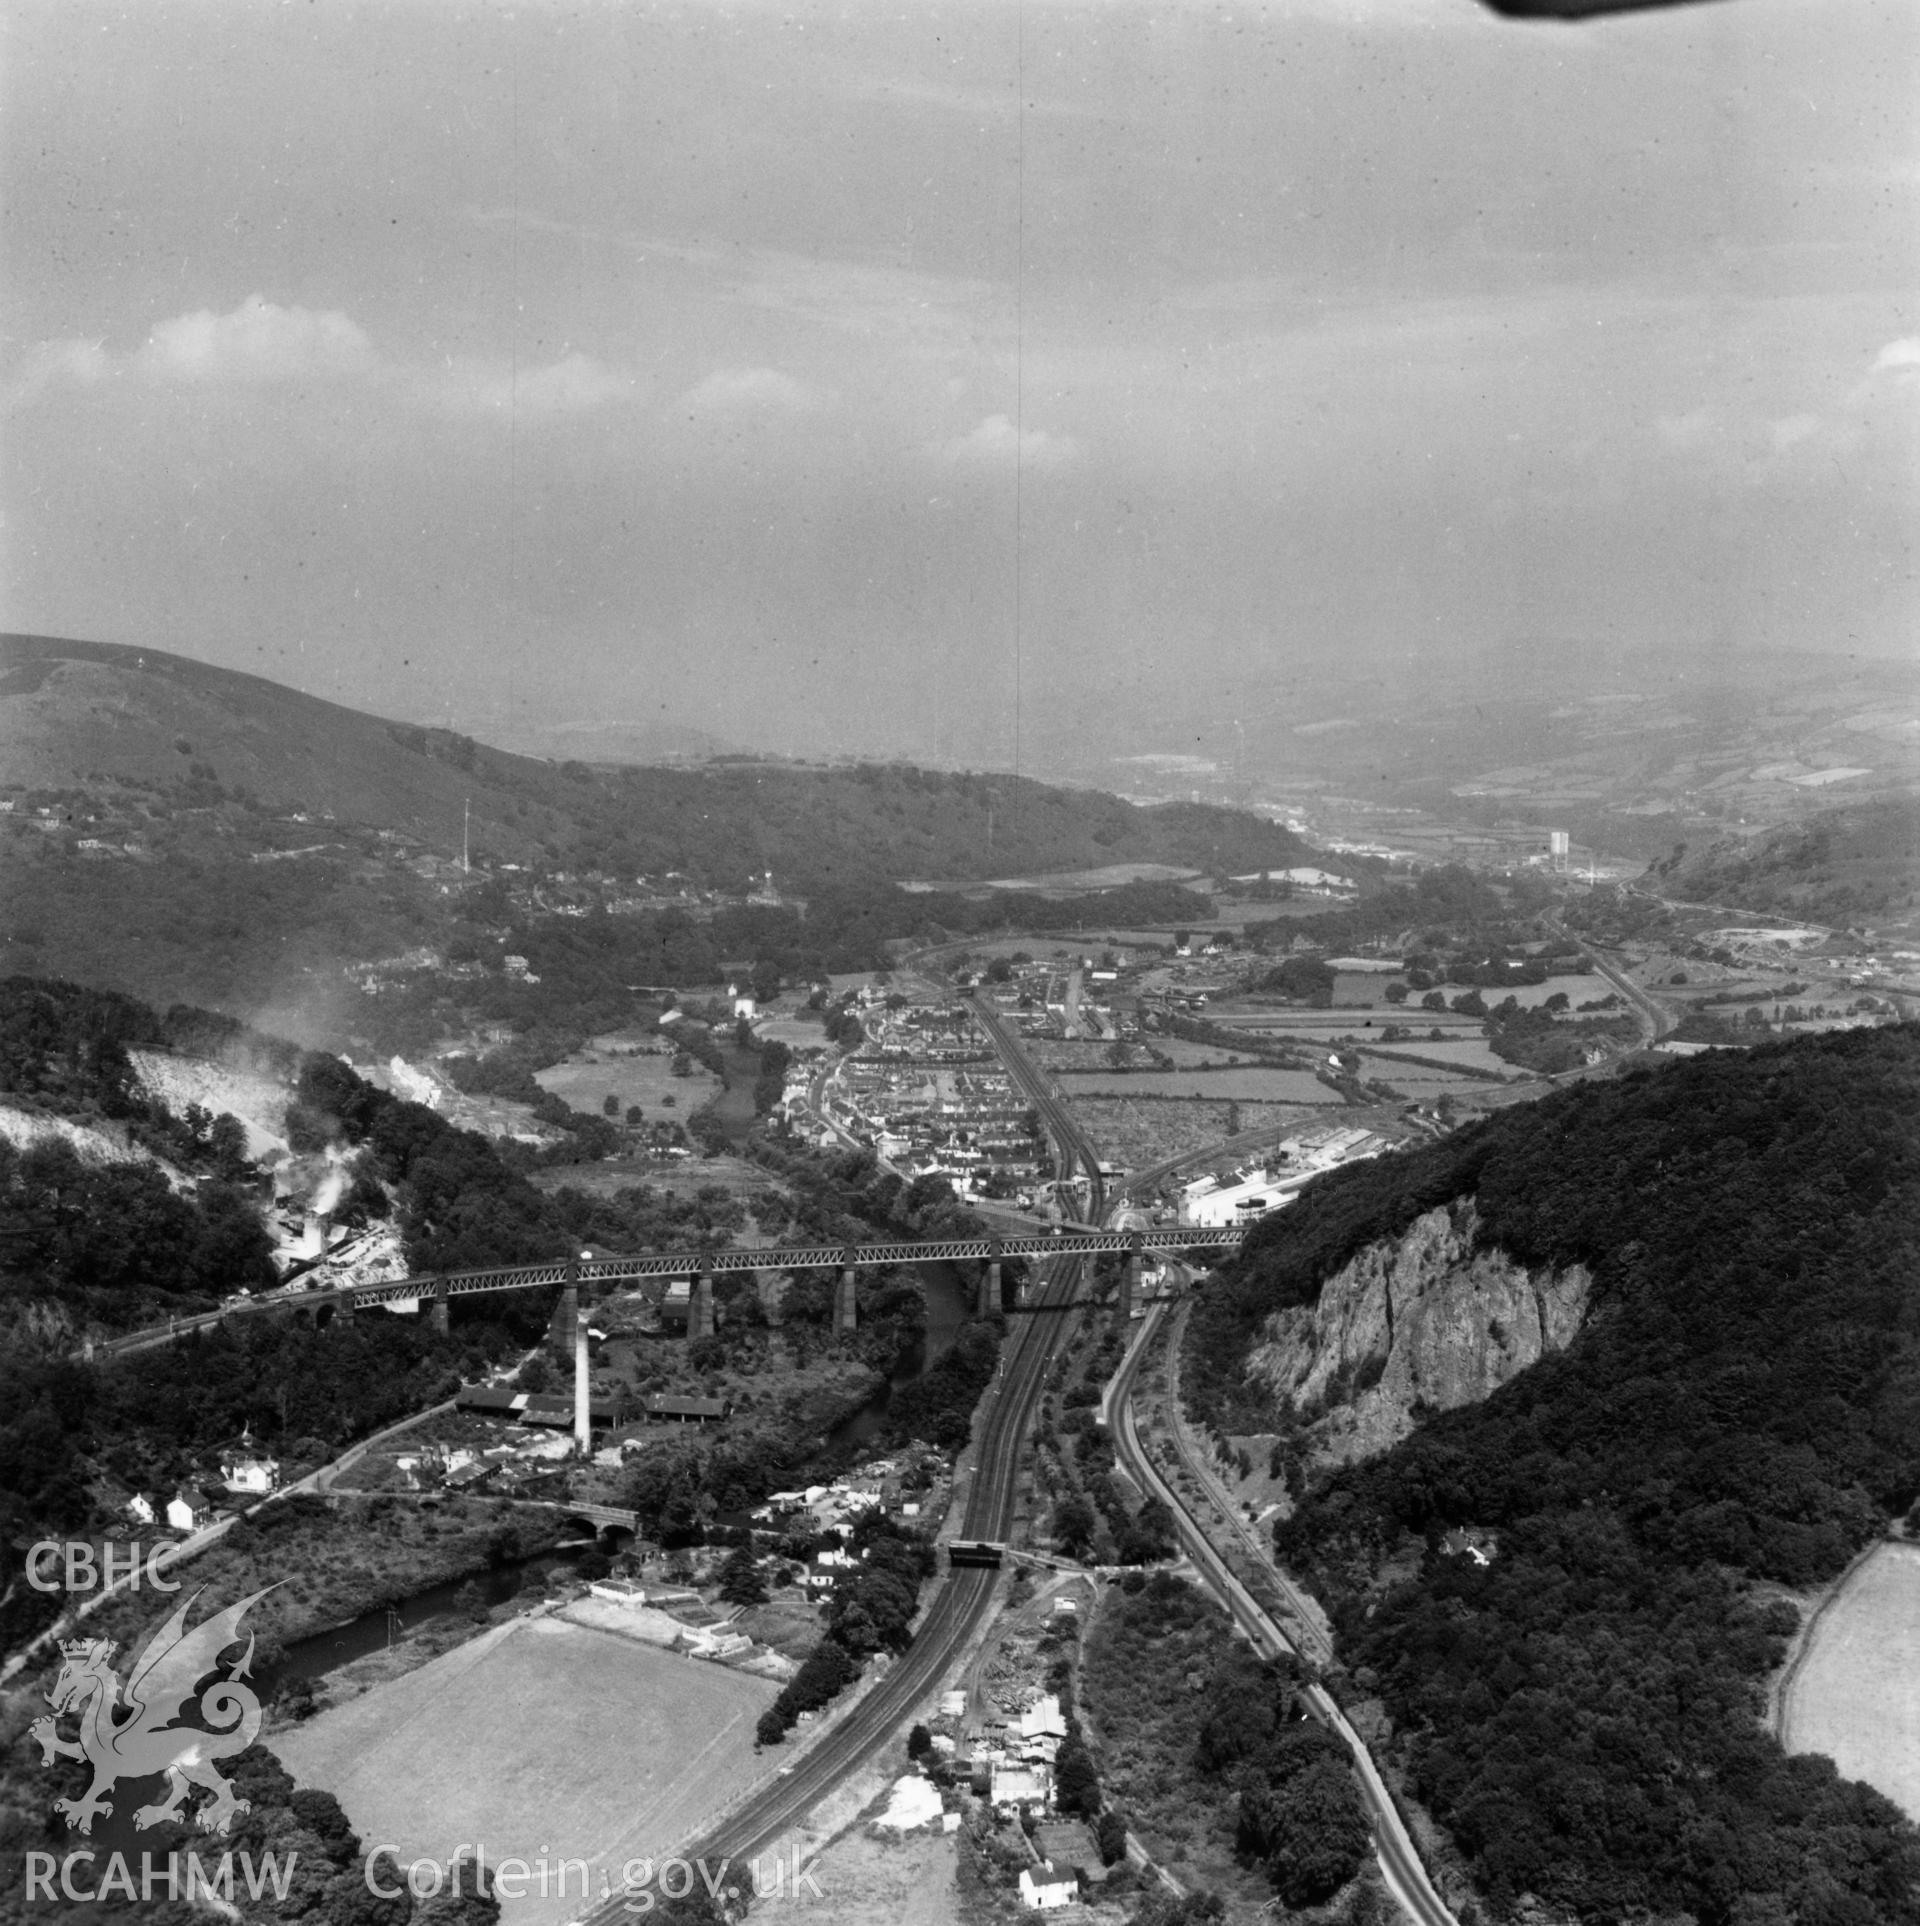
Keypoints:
pixel 803 1257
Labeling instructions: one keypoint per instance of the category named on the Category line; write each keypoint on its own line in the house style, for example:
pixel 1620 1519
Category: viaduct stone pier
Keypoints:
pixel 990 1254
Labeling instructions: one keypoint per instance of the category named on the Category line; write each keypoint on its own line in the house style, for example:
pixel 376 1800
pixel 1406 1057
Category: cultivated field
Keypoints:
pixel 1136 1134
pixel 1854 1691
pixel 1287 1025
pixel 1248 1084
pixel 541 1739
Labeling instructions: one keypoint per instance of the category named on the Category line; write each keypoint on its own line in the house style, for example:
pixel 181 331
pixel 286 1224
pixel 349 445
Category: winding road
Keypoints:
pixel 1399 1859
pixel 963 1598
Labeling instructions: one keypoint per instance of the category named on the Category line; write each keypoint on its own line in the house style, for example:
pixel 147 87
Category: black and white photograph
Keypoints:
pixel 959 959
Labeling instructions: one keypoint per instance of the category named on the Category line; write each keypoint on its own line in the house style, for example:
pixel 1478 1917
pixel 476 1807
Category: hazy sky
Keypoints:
pixel 774 368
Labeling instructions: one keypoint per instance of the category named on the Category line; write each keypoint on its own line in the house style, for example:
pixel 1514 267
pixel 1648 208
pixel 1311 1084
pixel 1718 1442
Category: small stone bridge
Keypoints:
pixel 601 1516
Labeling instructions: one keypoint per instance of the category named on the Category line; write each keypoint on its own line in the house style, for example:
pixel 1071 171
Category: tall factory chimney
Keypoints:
pixel 582 1409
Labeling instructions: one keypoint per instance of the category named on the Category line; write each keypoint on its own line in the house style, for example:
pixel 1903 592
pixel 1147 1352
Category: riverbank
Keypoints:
pixel 326 1563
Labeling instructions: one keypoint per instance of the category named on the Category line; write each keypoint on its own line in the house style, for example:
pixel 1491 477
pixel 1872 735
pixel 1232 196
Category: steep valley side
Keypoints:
pixel 1425 1321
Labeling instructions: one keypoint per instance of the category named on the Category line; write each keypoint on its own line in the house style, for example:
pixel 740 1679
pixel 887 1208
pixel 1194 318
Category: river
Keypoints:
pixel 323 1652
pixel 949 1306
pixel 949 1302
pixel 733 1108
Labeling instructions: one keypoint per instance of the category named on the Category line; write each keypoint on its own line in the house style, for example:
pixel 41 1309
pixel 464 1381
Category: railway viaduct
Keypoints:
pixel 699 1268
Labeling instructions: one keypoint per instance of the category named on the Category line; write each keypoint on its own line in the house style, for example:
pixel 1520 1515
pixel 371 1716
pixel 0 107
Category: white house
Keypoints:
pixel 188 1511
pixel 1047 1890
pixel 140 1509
pixel 249 1472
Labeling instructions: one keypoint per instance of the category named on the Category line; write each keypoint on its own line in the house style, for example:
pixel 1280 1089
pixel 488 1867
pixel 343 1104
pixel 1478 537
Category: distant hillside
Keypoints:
pixel 1724 1406
pixel 188 834
pixel 81 718
pixel 1858 865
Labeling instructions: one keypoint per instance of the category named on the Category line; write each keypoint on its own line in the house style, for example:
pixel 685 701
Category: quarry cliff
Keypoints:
pixel 1425 1320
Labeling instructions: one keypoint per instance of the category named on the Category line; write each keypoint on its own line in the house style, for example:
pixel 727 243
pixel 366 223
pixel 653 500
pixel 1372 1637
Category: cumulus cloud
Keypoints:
pixel 767 390
pixel 258 342
pixel 53 363
pixel 261 343
pixel 997 443
pixel 573 385
pixel 1901 360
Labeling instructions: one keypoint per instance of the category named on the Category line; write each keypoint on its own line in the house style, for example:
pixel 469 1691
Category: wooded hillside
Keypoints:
pixel 1855 865
pixel 1743 1405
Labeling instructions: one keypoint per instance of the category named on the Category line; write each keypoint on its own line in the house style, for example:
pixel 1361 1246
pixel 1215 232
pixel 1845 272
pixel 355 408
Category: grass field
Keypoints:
pixel 1303 1025
pixel 1184 1055
pixel 543 1740
pixel 680 1178
pixel 1576 989
pixel 1449 1049
pixel 1854 1692
pixel 869 1877
pixel 1066 881
pixel 1423 1084
pixel 633 1069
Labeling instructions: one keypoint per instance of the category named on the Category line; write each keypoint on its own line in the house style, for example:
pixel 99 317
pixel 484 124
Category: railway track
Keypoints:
pixel 1399 1859
pixel 961 1598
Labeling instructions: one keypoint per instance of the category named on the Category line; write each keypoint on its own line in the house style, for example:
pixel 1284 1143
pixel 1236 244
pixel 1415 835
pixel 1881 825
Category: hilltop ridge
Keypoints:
pixel 1853 865
pixel 188 833
pixel 94 719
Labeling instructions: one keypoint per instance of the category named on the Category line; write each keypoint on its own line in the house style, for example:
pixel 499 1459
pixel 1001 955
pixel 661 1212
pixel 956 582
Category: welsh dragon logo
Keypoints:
pixel 144 1733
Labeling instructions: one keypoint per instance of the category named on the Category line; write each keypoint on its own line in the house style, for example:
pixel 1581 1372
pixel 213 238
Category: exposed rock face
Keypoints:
pixel 1419 1319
